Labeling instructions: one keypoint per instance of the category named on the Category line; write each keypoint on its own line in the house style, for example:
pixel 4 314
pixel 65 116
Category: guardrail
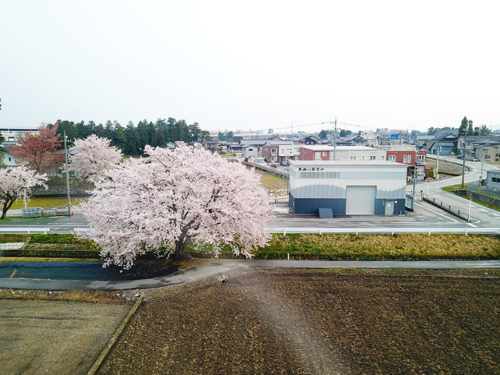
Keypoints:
pixel 299 230
pixel 392 231
pixel 461 213
pixel 267 169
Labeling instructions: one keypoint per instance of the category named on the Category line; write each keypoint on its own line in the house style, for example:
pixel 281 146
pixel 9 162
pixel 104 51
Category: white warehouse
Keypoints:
pixel 347 188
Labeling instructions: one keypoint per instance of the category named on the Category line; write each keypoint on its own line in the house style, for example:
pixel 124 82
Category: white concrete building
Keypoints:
pixel 347 187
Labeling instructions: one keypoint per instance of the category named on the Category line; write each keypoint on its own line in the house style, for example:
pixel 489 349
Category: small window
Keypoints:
pixel 404 158
pixel 372 157
pixel 392 157
pixel 409 158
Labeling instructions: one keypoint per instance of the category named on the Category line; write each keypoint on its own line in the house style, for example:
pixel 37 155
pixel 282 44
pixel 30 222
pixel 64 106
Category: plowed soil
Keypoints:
pixel 282 322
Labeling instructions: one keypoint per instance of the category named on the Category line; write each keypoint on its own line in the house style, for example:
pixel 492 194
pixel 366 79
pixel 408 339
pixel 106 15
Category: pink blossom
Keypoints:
pixel 92 157
pixel 17 182
pixel 175 198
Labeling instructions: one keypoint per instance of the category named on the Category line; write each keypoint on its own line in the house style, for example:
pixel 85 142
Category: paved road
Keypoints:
pixel 55 277
pixel 481 216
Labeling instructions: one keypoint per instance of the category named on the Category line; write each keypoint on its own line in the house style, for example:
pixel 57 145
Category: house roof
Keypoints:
pixel 339 148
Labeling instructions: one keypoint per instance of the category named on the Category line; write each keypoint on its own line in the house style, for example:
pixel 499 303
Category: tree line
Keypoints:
pixel 132 139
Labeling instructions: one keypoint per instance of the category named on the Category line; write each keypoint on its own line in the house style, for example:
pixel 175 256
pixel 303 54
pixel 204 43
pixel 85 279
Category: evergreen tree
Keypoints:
pixel 462 130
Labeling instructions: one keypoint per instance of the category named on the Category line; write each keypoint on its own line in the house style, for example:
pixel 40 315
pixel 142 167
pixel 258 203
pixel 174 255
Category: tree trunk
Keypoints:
pixel 4 212
pixel 180 249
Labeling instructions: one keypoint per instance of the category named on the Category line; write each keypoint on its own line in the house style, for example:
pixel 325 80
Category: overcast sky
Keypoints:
pixel 251 64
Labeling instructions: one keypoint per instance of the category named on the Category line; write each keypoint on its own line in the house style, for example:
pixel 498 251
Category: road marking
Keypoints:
pixel 438 213
pixel 472 225
pixel 13 273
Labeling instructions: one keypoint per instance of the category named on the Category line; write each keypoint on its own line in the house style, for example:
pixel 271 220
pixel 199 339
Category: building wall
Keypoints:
pixel 6 158
pixel 308 154
pixel 310 206
pixel 488 153
pixel 12 135
pixel 252 151
pixel 493 179
pixel 318 186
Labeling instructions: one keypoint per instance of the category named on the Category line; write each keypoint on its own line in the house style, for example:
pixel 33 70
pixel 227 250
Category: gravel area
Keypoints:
pixel 54 337
pixel 305 322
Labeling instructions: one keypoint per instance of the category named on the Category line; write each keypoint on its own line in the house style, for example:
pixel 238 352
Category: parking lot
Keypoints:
pixel 425 215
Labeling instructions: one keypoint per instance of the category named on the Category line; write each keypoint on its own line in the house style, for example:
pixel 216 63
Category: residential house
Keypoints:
pixel 6 157
pixel 249 151
pixel 347 153
pixel 279 151
pixel 211 145
pixel 411 157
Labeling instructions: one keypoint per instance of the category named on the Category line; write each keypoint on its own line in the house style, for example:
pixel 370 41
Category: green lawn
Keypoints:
pixel 306 246
pixel 453 188
pixel 49 202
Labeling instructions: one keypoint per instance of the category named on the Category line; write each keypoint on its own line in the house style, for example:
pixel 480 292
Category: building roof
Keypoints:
pixel 340 148
pixel 344 163
pixel 277 143
pixel 254 142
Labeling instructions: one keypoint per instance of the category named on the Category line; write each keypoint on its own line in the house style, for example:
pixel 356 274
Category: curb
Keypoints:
pixel 114 338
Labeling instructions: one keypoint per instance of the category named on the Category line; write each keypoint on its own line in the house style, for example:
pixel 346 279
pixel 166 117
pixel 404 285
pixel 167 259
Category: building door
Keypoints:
pixel 360 200
pixel 389 208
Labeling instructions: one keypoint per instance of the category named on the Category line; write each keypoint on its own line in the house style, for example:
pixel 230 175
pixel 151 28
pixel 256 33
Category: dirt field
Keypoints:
pixel 54 337
pixel 298 322
pixel 444 168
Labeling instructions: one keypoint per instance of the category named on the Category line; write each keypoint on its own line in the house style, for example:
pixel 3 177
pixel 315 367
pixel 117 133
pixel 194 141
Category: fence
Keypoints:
pixel 484 193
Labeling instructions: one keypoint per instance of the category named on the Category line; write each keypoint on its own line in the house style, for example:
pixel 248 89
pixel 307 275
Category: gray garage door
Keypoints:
pixel 360 200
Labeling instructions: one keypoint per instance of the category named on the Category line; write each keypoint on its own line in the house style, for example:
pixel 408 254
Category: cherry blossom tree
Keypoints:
pixel 92 157
pixel 39 151
pixel 175 198
pixel 17 182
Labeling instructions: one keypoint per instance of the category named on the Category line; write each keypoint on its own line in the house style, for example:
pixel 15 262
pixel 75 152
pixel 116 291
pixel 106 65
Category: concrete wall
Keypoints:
pixel 310 206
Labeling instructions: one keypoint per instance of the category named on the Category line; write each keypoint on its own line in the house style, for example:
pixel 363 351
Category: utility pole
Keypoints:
pixel 414 178
pixel 463 155
pixel 335 141
pixel 67 173
pixel 437 163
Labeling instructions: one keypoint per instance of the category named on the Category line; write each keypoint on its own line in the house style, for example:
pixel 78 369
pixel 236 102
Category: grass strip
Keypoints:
pixel 47 259
pixel 454 188
pixel 409 246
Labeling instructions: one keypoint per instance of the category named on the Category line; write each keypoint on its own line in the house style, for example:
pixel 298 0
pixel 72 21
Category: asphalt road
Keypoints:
pixel 77 270
pixel 78 275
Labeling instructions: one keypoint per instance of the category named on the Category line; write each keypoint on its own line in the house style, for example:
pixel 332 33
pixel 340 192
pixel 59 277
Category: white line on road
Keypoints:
pixel 438 213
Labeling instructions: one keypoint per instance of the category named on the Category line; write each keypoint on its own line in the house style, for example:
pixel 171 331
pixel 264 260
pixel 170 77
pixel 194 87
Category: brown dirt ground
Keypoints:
pixel 54 337
pixel 444 168
pixel 284 322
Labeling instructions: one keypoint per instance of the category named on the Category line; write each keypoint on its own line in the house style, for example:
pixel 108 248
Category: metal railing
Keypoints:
pixel 391 231
pixel 461 213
